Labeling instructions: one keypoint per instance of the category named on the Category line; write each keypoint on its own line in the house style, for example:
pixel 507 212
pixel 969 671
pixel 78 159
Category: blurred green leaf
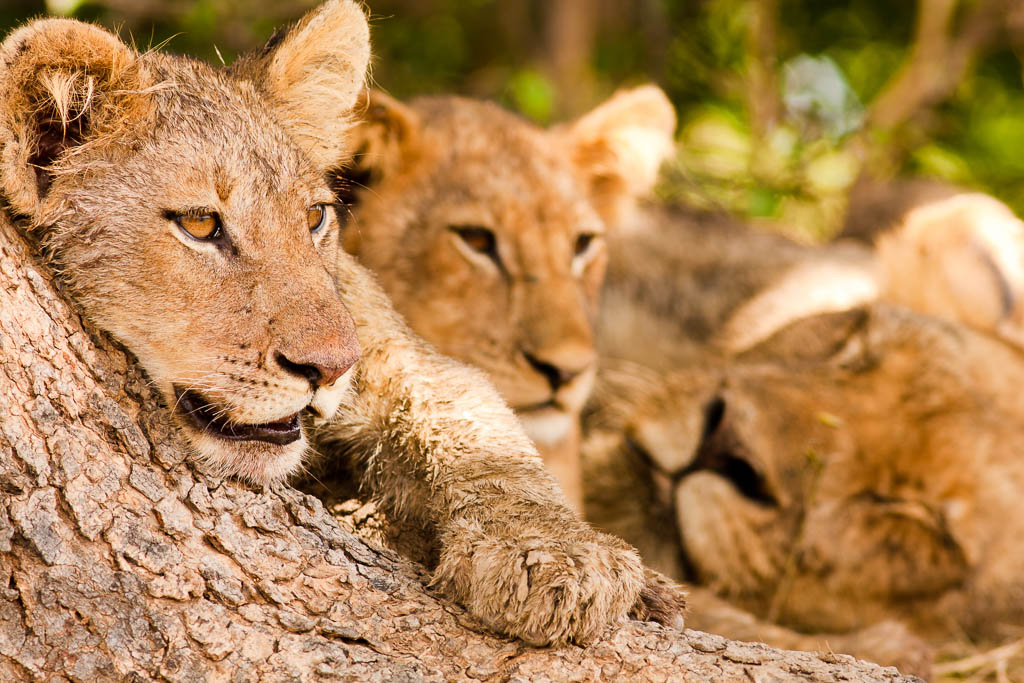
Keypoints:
pixel 532 94
pixel 65 7
pixel 762 202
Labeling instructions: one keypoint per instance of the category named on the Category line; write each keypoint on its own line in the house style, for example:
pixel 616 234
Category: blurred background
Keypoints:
pixel 785 106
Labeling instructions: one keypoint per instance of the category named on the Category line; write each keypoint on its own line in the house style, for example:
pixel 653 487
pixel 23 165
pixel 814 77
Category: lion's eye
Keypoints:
pixel 316 217
pixel 583 242
pixel 478 239
pixel 205 226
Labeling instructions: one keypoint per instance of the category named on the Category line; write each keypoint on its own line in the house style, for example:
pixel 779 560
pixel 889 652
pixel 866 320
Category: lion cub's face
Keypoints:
pixel 488 233
pixel 853 467
pixel 189 225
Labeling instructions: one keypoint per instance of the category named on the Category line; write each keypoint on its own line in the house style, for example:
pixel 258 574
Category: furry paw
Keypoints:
pixel 565 586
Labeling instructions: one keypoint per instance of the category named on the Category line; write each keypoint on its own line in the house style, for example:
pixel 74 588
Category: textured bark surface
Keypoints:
pixel 118 560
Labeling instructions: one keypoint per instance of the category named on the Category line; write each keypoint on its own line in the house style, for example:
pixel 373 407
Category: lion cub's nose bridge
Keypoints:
pixel 315 338
pixel 557 336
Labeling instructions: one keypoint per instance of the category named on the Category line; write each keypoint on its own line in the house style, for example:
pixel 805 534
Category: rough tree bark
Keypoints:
pixel 120 561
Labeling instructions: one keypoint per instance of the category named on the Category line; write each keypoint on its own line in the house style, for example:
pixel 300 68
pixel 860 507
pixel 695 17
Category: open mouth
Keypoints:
pixel 543 405
pixel 209 419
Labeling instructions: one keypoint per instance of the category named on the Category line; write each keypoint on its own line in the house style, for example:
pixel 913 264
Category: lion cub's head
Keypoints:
pixel 853 467
pixel 487 232
pixel 185 208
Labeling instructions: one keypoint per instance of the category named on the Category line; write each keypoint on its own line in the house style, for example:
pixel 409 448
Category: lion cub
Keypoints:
pixel 832 473
pixel 852 469
pixel 188 210
pixel 488 234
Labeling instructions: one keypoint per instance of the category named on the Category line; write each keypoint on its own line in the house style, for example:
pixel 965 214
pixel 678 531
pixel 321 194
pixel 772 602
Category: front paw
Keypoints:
pixel 565 585
pixel 661 600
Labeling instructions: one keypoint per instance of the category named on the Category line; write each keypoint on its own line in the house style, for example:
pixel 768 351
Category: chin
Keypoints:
pixel 547 426
pixel 259 449
pixel 257 453
pixel 256 462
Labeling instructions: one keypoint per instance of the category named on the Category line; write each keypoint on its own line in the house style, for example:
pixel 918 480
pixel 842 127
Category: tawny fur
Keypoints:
pixel 547 197
pixel 683 282
pixel 856 467
pixel 944 251
pixel 103 146
pixel 959 258
pixel 847 470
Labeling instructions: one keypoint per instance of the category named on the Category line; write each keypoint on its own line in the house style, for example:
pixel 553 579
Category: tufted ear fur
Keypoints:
pixel 313 73
pixel 387 135
pixel 620 145
pixel 63 84
pixel 384 141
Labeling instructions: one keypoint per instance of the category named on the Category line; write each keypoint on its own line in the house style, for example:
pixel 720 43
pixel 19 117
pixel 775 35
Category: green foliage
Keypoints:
pixel 699 51
pixel 532 94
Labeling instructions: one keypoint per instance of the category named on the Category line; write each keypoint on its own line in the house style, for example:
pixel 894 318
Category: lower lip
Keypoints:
pixel 535 408
pixel 198 411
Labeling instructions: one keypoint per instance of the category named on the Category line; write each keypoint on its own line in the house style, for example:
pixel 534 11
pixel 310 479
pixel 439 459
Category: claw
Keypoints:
pixel 661 600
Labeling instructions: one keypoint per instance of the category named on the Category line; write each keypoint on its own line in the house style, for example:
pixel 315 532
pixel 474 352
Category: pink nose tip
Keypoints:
pixel 320 366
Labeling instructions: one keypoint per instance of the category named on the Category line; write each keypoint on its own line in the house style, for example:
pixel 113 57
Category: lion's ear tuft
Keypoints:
pixel 386 136
pixel 58 77
pixel 313 74
pixel 385 141
pixel 620 145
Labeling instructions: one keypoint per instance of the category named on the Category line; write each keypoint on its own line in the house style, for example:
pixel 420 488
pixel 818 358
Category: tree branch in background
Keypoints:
pixel 762 71
pixel 942 53
pixel 570 29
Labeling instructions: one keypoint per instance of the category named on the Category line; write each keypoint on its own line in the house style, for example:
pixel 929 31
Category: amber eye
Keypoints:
pixel 478 239
pixel 583 243
pixel 316 217
pixel 202 226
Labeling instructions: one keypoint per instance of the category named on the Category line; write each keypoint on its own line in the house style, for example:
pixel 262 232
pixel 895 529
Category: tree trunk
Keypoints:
pixel 569 31
pixel 118 560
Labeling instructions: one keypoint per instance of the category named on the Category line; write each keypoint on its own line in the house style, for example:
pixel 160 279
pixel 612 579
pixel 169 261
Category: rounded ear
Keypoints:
pixel 620 145
pixel 832 282
pixel 961 259
pixel 312 74
pixel 385 140
pixel 849 338
pixel 62 83
pixel 386 137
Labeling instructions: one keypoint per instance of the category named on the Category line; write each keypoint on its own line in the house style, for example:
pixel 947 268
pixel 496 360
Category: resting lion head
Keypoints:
pixel 488 233
pixel 853 467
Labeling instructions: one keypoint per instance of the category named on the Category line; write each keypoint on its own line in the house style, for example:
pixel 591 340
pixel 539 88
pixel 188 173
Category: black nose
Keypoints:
pixel 556 376
pixel 319 372
pixel 723 451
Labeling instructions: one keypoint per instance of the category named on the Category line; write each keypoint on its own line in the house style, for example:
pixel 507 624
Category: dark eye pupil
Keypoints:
pixel 583 243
